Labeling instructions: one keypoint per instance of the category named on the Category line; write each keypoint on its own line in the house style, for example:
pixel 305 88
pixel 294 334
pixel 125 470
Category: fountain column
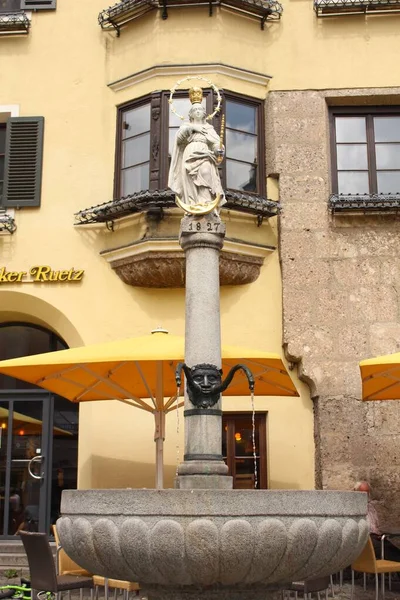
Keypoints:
pixel 202 239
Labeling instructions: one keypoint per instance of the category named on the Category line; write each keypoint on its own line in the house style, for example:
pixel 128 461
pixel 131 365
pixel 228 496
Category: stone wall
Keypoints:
pixel 341 288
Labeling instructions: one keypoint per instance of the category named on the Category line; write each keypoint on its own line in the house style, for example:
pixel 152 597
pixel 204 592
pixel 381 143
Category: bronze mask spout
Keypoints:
pixel 231 375
pixel 204 382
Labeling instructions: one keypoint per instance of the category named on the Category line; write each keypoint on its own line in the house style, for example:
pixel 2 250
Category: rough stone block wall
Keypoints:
pixel 341 290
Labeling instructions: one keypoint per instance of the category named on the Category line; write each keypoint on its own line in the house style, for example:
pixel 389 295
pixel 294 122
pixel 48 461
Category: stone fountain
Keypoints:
pixel 205 539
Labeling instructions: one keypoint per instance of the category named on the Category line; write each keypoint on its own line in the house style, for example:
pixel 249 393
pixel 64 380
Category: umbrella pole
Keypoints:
pixel 159 437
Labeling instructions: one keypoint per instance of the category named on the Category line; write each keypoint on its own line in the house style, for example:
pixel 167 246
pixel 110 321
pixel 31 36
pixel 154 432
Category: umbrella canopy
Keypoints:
pixel 130 369
pixel 381 378
pixel 141 372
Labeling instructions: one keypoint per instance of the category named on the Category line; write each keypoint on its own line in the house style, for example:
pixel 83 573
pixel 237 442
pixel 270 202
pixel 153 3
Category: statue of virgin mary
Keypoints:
pixel 193 174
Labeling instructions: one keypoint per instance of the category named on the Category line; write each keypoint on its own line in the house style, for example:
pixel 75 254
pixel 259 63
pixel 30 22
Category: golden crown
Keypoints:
pixel 196 95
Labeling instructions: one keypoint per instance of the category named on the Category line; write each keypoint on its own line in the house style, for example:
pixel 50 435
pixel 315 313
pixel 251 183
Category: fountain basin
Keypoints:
pixel 218 540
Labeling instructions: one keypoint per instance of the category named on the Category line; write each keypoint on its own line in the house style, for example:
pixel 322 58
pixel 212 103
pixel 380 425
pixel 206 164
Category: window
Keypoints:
pixel 242 150
pixel 135 149
pixel 17 5
pixel 146 130
pixel 238 452
pixel 366 151
pixel 2 155
pixel 21 149
pixel 24 339
pixel 13 18
pixel 10 6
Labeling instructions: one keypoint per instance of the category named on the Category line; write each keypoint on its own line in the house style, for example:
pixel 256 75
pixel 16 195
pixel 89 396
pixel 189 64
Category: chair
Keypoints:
pixel 42 569
pixel 310 586
pixel 367 563
pixel 116 584
pixel 64 564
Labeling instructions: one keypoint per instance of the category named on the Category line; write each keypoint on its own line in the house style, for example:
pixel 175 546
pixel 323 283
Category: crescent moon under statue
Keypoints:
pixel 198 209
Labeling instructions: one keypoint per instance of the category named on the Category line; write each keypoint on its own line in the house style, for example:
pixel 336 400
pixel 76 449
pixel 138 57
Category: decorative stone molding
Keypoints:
pixel 160 263
pixel 205 69
pixel 212 539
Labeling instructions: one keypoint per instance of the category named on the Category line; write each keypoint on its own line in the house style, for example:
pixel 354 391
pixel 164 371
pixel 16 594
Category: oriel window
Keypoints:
pixel 146 130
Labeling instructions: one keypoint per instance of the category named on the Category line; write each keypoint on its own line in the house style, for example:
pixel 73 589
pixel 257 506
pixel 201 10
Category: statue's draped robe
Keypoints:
pixel 193 174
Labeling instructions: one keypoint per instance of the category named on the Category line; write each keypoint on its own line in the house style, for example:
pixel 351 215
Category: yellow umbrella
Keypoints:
pixel 381 377
pixel 141 372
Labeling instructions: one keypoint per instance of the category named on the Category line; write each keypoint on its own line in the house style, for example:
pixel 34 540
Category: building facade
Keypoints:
pixel 89 244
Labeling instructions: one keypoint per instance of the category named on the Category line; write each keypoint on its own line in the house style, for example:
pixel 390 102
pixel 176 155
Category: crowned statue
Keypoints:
pixel 197 152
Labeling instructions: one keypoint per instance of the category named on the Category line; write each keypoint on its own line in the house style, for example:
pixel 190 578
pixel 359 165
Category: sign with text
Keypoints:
pixel 40 274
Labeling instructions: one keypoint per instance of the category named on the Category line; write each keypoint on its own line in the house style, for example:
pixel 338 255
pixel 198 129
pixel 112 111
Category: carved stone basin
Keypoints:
pixel 212 543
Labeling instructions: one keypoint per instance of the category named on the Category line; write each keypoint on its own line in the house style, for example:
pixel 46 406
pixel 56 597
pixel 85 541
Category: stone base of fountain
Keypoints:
pixel 189 544
pixel 237 592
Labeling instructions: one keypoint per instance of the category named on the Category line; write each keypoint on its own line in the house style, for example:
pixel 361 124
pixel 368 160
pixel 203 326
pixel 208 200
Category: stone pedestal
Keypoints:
pixel 202 239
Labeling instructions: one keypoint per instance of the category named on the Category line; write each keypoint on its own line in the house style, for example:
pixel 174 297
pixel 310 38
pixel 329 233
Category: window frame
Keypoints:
pixel 260 135
pixel 3 126
pixel 11 11
pixel 122 109
pixel 159 136
pixel 363 111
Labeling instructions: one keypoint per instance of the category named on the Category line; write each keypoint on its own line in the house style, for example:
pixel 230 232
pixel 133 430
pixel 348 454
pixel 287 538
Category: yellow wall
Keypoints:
pixel 62 71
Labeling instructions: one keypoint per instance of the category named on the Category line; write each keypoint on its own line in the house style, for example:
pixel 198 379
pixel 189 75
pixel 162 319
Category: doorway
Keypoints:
pixel 24 464
pixel 238 451
pixel 38 439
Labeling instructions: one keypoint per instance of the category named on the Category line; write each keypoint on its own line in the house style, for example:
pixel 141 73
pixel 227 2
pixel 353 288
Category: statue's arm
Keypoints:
pixel 219 150
pixel 214 142
pixel 183 134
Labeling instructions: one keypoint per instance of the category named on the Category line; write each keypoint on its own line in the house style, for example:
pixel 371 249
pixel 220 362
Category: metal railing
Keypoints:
pixel 346 7
pixel 364 203
pixel 14 23
pixel 157 200
pixel 116 16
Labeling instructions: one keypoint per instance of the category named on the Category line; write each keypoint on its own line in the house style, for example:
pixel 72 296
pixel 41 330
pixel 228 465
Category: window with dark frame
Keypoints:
pixel 135 149
pixel 146 130
pixel 365 150
pixel 241 141
pixel 10 6
pixel 2 155
pixel 238 451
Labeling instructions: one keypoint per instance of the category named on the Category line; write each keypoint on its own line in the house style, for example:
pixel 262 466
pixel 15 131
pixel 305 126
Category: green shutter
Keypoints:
pixel 23 161
pixel 38 4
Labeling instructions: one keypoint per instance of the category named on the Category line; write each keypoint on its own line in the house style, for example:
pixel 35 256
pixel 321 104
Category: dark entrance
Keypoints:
pixel 38 439
pixel 237 449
